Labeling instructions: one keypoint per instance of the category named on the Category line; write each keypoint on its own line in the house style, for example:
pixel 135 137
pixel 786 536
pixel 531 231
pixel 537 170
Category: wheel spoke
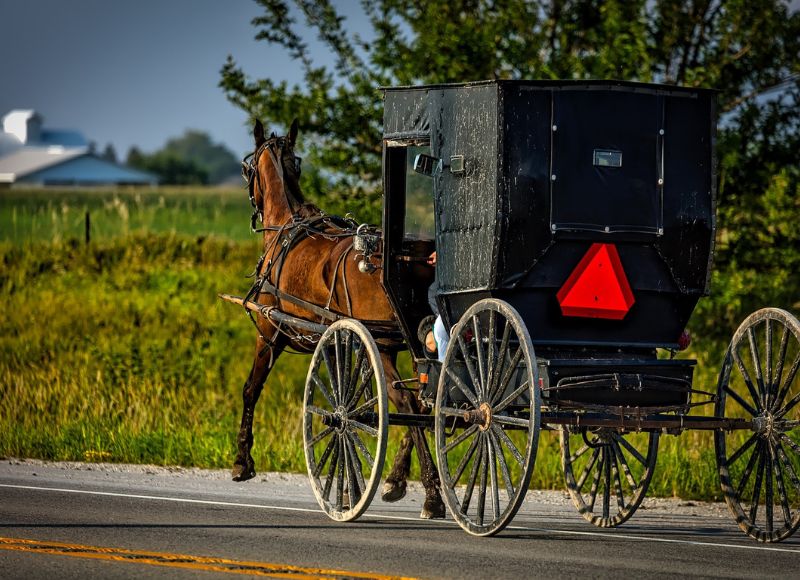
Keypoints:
pixel 787 512
pixel 482 488
pixel 745 446
pixel 468 361
pixel 509 372
pixel 788 406
pixel 625 467
pixel 503 438
pixel 355 374
pixel 498 451
pixel 462 465
pixel 493 481
pixel 491 352
pixel 367 405
pixel 505 420
pixel 361 447
pixel 748 469
pixel 616 476
pixel 575 456
pixel 587 470
pixel 323 389
pixel 741 401
pixel 326 492
pixel 511 398
pixel 355 477
pixel 320 436
pixel 631 449
pixel 460 439
pixel 462 387
pixel 596 481
pixel 478 338
pixel 501 361
pixel 789 468
pixel 333 374
pixel 340 477
pixel 751 338
pixel 768 369
pixel 746 377
pixel 789 380
pixel 314 410
pixel 606 483
pixel 473 475
pixel 768 495
pixel 337 346
pixel 324 457
pixel 366 428
pixel 776 381
pixel 757 485
pixel 365 386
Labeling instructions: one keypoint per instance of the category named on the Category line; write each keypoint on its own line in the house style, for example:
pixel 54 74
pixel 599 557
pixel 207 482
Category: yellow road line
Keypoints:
pixel 182 560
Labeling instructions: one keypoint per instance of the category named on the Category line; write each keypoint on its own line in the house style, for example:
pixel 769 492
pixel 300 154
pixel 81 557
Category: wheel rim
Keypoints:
pixel 487 417
pixel 345 420
pixel 607 473
pixel 759 468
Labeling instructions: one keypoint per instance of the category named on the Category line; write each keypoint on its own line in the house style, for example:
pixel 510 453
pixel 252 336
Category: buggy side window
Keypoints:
pixel 419 216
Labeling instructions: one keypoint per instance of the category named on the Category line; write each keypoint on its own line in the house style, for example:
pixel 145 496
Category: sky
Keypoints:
pixel 133 72
pixel 137 72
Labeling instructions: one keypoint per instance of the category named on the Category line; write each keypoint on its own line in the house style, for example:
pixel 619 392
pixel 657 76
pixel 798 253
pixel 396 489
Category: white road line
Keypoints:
pixel 606 535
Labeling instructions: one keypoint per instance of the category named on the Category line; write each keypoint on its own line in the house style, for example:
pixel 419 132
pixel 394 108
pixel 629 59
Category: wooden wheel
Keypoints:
pixel 345 420
pixel 759 468
pixel 487 417
pixel 607 473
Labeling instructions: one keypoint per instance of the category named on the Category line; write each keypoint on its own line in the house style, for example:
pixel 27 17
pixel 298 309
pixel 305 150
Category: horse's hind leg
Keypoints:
pixel 405 402
pixel 394 488
pixel 244 466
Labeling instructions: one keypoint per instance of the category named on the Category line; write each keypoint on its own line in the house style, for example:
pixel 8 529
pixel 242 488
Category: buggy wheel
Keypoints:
pixel 487 417
pixel 345 420
pixel 607 472
pixel 759 469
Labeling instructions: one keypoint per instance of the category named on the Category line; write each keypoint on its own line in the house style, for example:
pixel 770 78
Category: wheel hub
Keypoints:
pixel 482 416
pixel 764 424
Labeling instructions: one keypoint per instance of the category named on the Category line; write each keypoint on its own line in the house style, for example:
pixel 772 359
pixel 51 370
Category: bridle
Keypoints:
pixel 275 146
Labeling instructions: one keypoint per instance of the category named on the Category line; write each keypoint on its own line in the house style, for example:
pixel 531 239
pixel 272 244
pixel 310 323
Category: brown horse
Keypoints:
pixel 308 270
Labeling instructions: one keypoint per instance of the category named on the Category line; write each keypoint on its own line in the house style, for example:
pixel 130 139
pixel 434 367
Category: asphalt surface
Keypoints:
pixel 61 520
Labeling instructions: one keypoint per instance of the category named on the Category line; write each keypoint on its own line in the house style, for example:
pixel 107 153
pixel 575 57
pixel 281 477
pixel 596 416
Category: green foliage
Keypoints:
pixel 192 159
pixel 739 47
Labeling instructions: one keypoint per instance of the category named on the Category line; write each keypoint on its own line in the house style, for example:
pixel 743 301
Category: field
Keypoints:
pixel 120 350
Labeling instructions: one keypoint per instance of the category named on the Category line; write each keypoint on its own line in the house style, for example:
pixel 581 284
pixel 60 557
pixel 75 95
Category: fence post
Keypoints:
pixel 88 228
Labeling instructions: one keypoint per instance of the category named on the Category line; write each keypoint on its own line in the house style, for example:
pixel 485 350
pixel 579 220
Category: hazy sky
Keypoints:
pixel 136 72
pixel 132 72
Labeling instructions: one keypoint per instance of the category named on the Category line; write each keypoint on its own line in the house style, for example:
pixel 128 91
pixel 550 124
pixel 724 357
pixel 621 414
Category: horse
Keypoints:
pixel 273 173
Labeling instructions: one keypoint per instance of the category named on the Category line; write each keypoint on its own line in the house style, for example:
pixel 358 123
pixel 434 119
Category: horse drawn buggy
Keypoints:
pixel 574 227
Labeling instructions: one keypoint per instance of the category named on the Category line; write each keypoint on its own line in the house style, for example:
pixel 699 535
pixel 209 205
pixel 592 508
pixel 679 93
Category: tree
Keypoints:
pixel 747 49
pixel 214 158
pixel 109 153
pixel 187 160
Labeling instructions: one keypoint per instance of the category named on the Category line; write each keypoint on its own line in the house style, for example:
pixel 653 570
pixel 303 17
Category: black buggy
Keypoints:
pixel 574 226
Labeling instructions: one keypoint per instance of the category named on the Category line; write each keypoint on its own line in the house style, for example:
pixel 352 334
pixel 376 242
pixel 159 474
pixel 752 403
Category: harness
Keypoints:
pixel 288 235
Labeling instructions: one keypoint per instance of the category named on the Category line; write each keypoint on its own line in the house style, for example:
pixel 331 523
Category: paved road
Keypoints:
pixel 77 520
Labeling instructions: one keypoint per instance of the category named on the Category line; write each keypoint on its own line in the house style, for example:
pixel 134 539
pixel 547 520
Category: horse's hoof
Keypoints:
pixel 432 510
pixel 242 473
pixel 393 491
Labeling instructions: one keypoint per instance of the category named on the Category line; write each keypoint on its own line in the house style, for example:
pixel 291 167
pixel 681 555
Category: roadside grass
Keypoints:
pixel 121 351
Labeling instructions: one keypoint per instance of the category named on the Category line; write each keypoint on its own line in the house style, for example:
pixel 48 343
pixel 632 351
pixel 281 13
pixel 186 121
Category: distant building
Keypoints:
pixel 31 155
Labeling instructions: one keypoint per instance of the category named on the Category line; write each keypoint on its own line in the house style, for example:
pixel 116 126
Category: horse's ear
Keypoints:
pixel 258 133
pixel 293 132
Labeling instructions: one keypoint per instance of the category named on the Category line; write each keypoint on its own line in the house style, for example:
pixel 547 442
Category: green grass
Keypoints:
pixel 121 351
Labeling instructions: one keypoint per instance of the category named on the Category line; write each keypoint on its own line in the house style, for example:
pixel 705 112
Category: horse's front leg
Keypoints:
pixel 244 466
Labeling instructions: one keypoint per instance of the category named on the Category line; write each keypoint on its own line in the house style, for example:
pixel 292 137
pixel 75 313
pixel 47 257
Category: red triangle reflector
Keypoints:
pixel 597 287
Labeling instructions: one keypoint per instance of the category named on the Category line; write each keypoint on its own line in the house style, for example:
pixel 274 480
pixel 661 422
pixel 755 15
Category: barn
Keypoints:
pixel 31 155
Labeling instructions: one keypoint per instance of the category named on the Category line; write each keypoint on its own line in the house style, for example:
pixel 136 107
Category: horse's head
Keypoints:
pixel 273 175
